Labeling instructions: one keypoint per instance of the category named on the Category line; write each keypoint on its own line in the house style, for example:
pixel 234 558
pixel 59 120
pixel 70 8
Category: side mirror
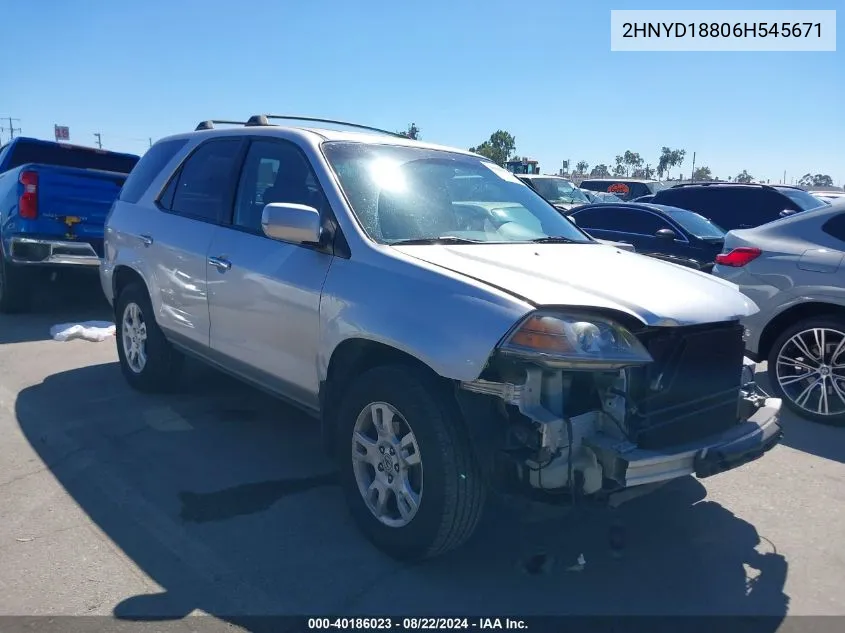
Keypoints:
pixel 571 218
pixel 292 223
pixel 666 234
pixel 786 212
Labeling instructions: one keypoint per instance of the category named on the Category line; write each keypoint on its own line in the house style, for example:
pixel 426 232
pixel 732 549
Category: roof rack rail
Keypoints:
pixel 719 182
pixel 264 119
pixel 209 125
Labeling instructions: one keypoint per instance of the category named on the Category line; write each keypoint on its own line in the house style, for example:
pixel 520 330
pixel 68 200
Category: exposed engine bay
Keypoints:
pixel 588 432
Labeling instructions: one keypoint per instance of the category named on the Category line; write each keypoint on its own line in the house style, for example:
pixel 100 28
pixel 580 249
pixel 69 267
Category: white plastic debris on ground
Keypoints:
pixel 94 331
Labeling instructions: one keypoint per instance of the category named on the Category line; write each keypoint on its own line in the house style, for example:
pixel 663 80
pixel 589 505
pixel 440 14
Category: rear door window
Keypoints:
pixel 203 187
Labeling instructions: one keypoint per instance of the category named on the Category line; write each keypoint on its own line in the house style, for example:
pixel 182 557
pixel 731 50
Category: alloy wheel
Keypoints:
pixel 387 464
pixel 810 370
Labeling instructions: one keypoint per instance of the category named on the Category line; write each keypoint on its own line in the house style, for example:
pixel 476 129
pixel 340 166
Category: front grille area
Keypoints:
pixel 691 390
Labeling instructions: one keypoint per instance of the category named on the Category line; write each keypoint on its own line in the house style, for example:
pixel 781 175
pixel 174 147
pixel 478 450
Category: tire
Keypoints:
pixel 162 364
pixel 451 488
pixel 786 379
pixel 15 292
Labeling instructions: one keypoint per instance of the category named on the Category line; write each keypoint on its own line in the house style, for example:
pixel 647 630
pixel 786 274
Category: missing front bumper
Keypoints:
pixel 741 444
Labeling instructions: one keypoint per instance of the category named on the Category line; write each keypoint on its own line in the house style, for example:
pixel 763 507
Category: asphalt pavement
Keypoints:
pixel 218 500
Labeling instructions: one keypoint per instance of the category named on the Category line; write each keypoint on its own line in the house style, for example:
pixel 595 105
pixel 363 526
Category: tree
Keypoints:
pixel 702 173
pixel 663 162
pixel 632 160
pixel 619 170
pixel 669 158
pixel 412 132
pixel 744 176
pixel 817 180
pixel 582 167
pixel 600 171
pixel 677 157
pixel 498 148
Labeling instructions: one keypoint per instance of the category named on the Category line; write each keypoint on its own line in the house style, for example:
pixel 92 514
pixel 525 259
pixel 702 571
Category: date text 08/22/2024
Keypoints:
pixel 412 624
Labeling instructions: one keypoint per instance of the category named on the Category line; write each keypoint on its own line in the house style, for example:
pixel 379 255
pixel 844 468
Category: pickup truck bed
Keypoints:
pixel 52 215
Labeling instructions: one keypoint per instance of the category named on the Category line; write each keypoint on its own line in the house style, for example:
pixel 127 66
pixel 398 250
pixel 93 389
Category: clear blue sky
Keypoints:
pixel 460 69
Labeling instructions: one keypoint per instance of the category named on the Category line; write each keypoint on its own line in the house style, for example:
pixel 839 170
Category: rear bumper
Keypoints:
pixel 741 444
pixel 33 251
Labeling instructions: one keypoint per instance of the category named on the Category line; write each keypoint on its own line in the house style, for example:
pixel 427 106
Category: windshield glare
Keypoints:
pixel 695 224
pixel 559 190
pixel 409 193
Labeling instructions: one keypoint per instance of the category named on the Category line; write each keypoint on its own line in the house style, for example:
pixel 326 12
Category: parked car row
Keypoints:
pixel 784 248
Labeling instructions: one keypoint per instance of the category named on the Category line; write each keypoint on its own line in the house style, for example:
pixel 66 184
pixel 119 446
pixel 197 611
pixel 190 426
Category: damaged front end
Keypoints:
pixel 589 406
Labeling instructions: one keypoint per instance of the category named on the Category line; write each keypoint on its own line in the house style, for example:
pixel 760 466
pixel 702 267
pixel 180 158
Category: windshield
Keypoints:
pixel 803 199
pixel 695 224
pixel 558 190
pixel 410 193
pixel 658 186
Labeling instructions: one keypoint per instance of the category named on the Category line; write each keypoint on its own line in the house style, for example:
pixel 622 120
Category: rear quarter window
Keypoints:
pixel 150 165
pixel 835 227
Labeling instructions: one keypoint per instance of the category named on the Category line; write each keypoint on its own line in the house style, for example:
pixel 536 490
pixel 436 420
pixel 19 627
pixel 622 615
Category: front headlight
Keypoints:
pixel 569 341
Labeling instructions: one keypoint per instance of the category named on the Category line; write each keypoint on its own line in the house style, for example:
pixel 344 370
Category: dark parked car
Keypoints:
pixel 625 188
pixel 669 233
pixel 737 205
pixel 556 189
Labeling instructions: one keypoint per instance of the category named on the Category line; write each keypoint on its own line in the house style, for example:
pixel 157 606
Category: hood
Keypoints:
pixel 594 276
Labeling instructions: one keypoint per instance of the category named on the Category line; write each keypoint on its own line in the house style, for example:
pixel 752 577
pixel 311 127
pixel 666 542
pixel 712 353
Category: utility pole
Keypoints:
pixel 12 128
pixel 99 140
pixel 784 176
pixel 151 141
pixel 692 177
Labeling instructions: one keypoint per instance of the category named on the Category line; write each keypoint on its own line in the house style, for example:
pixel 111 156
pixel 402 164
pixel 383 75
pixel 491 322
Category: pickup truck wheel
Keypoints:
pixel 406 465
pixel 14 291
pixel 807 369
pixel 148 360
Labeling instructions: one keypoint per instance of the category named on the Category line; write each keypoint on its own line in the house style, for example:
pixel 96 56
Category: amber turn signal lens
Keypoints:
pixel 542 334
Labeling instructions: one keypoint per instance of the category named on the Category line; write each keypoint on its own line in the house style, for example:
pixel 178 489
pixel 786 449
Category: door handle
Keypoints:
pixel 147 240
pixel 220 263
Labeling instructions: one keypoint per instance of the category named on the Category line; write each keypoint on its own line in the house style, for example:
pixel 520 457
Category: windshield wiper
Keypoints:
pixel 445 239
pixel 557 239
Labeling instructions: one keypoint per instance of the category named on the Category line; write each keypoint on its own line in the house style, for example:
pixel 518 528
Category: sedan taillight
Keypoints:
pixel 738 257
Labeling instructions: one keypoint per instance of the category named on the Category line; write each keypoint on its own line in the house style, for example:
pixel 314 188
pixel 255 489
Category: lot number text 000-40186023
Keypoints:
pixel 723 30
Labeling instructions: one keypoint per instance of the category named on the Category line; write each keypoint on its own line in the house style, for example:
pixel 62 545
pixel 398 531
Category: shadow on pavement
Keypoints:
pixel 222 496
pixel 71 298
pixel 803 435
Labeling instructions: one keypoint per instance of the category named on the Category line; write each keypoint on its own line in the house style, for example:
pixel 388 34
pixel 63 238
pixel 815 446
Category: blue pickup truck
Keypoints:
pixel 54 198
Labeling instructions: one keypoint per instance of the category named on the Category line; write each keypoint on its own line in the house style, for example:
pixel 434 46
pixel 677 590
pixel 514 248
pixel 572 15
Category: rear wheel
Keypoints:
pixel 807 368
pixel 408 472
pixel 148 360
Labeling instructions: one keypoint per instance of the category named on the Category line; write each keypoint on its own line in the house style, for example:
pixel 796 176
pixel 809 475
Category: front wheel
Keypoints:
pixel 408 472
pixel 807 369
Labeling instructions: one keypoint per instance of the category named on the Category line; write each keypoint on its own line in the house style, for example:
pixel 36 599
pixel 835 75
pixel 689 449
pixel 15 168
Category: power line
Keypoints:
pixel 11 129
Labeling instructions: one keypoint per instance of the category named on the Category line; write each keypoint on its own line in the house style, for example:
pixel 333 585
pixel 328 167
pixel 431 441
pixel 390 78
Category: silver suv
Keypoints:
pixel 446 346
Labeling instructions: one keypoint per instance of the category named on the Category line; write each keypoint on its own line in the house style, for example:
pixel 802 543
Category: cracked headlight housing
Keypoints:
pixel 578 342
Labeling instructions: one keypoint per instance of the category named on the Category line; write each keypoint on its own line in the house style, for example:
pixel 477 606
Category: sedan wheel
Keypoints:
pixel 807 367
